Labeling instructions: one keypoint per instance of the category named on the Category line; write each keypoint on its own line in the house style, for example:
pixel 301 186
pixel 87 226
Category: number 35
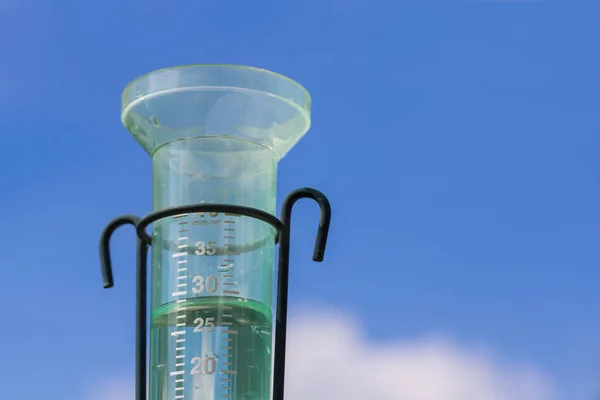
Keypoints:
pixel 205 249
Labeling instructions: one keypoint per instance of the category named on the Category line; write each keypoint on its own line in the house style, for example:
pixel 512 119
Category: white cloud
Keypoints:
pixel 117 389
pixel 329 359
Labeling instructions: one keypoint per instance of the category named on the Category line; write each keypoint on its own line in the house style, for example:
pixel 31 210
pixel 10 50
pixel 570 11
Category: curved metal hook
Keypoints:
pixel 283 274
pixel 105 261
pixel 140 313
pixel 325 219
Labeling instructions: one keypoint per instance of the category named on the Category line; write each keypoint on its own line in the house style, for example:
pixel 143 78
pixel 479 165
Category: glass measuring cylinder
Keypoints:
pixel 215 134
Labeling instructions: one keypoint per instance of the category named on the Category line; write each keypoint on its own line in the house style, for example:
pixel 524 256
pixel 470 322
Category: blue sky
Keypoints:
pixel 456 140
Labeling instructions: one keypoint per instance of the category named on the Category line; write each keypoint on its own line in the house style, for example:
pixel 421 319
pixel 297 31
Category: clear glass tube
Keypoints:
pixel 215 134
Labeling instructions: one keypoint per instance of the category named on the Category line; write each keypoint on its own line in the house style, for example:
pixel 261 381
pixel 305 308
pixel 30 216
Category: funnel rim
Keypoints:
pixel 256 85
pixel 304 104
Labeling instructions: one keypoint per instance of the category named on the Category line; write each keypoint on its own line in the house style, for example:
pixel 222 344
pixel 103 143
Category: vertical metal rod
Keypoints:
pixel 140 320
pixel 281 316
pixel 283 275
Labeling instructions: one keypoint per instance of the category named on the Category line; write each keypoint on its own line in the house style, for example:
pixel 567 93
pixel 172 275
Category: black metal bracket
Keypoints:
pixel 283 227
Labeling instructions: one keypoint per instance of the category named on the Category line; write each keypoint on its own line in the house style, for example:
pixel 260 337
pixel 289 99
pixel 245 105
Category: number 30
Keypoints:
pixel 212 284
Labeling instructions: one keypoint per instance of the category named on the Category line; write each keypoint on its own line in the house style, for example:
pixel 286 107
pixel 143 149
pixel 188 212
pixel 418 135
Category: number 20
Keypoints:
pixel 204 366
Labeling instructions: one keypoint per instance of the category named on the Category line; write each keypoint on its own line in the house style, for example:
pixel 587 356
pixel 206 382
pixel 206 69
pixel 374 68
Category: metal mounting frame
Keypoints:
pixel 144 241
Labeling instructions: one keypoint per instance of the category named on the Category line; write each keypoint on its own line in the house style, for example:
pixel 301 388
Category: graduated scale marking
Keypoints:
pixel 181 317
pixel 207 286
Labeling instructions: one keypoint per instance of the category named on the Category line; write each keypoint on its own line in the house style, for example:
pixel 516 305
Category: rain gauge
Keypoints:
pixel 215 134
